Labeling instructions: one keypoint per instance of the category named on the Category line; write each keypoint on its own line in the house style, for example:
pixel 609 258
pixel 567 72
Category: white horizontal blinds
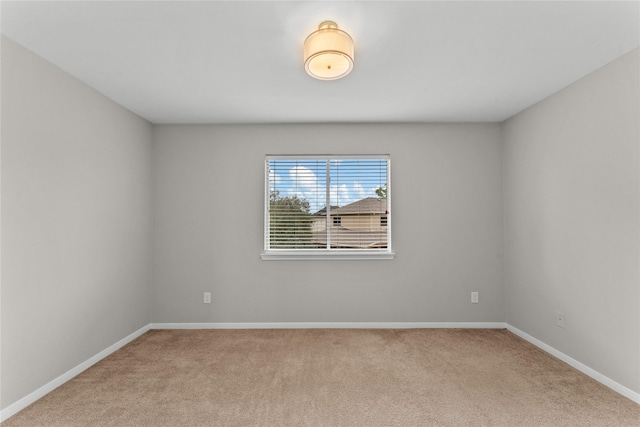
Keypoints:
pixel 337 202
pixel 296 191
pixel 359 203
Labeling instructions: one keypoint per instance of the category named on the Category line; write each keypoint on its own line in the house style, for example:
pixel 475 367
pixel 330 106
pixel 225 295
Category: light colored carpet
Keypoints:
pixel 330 377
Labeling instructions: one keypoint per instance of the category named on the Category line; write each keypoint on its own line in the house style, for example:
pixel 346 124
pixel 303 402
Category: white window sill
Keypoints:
pixel 316 255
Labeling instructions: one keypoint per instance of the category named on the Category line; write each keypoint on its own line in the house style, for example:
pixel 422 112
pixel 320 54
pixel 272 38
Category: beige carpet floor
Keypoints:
pixel 330 377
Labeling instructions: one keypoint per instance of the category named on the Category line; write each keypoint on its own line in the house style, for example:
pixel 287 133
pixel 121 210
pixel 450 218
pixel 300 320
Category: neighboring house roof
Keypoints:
pixel 323 211
pixel 370 205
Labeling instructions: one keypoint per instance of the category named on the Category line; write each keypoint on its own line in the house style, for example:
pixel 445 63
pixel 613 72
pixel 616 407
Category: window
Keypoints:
pixel 327 207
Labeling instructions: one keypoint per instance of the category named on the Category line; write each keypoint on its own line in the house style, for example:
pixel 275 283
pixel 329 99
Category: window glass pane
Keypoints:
pixel 358 192
pixel 296 190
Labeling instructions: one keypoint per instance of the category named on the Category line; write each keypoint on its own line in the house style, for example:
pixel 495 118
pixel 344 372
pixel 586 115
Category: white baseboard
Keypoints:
pixel 333 325
pixel 619 388
pixel 18 406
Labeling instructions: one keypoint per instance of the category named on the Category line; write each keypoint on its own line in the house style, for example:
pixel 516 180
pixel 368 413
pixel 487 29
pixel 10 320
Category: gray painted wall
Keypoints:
pixel 447 227
pixel 75 222
pixel 571 189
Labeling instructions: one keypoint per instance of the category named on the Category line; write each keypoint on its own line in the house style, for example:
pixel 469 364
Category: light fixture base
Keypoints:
pixel 324 25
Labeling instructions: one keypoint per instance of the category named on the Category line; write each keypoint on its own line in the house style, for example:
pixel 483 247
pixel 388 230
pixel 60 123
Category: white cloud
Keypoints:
pixel 304 177
pixel 274 178
pixel 307 187
pixel 341 195
pixel 359 190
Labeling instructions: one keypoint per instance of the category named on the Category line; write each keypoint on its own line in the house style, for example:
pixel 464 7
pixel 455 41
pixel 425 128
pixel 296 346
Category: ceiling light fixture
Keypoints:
pixel 328 52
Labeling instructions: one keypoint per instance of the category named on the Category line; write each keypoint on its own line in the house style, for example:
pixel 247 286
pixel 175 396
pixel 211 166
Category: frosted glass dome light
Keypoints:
pixel 328 52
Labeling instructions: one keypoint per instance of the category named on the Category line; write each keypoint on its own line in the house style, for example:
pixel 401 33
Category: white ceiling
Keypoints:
pixel 241 61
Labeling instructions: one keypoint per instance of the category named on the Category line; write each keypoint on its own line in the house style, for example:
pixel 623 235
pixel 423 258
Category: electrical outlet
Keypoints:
pixel 559 319
pixel 207 297
pixel 474 297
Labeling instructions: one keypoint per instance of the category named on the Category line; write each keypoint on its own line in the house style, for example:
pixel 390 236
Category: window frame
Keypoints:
pixel 270 254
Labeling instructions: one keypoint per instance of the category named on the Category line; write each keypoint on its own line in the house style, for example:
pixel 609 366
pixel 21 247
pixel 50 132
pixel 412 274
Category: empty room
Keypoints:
pixel 314 213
